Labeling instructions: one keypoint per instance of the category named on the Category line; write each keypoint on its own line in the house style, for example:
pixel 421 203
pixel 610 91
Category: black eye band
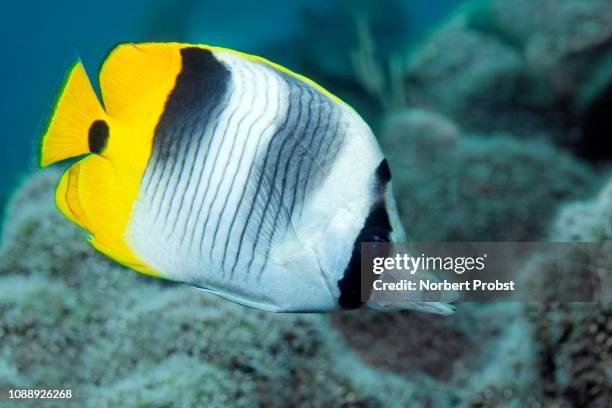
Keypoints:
pixel 377 228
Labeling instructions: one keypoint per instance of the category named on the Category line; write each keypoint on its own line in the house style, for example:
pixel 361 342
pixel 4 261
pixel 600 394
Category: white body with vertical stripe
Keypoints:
pixel 187 242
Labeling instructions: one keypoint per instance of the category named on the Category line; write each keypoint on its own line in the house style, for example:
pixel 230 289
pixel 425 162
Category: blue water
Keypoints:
pixel 41 39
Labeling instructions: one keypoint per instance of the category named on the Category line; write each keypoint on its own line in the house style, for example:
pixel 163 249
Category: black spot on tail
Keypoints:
pixel 98 136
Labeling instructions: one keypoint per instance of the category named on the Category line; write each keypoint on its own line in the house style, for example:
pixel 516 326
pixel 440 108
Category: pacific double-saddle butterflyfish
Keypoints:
pixel 225 171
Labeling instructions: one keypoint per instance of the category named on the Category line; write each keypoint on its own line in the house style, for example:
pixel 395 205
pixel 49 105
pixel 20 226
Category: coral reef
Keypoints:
pixel 589 221
pixel 480 356
pixel 467 76
pixel 71 318
pixel 574 352
pixel 575 339
pixel 473 158
pixel 456 187
pixel 535 68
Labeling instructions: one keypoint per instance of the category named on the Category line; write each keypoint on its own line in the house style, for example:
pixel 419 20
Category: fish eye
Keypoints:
pixel 376 238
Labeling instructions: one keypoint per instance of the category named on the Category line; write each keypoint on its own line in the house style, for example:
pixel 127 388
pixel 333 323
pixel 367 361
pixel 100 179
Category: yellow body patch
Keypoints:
pixel 135 82
pixel 98 191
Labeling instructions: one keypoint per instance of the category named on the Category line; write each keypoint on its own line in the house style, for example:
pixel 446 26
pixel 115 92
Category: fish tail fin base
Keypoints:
pixel 77 107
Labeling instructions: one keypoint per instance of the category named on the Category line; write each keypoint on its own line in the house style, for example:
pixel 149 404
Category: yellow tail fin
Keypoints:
pixel 76 109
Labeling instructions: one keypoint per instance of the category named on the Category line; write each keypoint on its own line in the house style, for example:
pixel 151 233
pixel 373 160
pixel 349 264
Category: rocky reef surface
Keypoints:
pixel 529 68
pixel 575 339
pixel 70 318
pixel 456 186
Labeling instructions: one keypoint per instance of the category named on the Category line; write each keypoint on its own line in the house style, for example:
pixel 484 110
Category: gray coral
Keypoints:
pixel 575 339
pixel 532 68
pixel 73 319
pixel 451 186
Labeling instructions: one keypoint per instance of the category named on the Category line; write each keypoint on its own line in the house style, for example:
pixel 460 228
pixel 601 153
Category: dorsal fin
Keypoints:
pixel 277 67
pixel 135 79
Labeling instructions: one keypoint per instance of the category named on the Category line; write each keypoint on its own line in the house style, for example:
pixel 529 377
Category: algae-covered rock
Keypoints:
pixel 482 356
pixel 550 31
pixel 476 188
pixel 522 75
pixel 574 352
pixel 575 339
pixel 418 127
pixel 587 221
pixel 157 385
pixel 71 318
pixel 467 76
pixel 529 68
